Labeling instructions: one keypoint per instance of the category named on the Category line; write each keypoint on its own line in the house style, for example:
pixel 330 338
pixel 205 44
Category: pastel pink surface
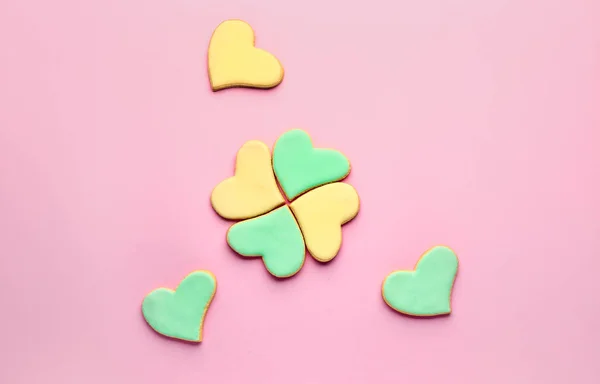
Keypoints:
pixel 468 123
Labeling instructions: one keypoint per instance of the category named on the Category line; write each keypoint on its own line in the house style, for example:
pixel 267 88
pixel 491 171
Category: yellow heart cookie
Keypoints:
pixel 252 190
pixel 233 61
pixel 321 213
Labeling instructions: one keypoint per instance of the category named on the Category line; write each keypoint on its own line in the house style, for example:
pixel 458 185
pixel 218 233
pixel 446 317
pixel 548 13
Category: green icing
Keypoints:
pixel 180 313
pixel 275 236
pixel 300 167
pixel 426 290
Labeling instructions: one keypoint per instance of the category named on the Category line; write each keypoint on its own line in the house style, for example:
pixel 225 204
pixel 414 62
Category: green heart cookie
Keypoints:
pixel 300 167
pixel 426 290
pixel 275 236
pixel 180 313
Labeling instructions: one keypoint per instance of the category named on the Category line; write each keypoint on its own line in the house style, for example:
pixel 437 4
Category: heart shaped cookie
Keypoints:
pixel 252 190
pixel 300 167
pixel 274 236
pixel 321 214
pixel 233 61
pixel 426 290
pixel 180 313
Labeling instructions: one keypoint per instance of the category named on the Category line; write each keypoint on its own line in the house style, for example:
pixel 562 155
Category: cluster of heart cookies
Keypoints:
pixel 280 228
pixel 276 231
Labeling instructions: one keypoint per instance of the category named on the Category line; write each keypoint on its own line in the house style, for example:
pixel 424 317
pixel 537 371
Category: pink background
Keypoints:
pixel 468 123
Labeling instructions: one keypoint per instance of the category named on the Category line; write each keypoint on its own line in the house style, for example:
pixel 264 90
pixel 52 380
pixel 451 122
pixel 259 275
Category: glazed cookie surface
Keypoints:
pixel 275 237
pixel 426 290
pixel 234 61
pixel 300 167
pixel 252 190
pixel 180 313
pixel 321 214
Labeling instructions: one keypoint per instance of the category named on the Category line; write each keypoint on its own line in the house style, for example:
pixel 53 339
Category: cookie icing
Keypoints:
pixel 252 190
pixel 275 237
pixel 234 61
pixel 300 167
pixel 180 313
pixel 321 214
pixel 426 290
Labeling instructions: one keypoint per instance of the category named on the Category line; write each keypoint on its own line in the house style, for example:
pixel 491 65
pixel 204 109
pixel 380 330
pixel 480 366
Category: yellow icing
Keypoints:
pixel 321 213
pixel 233 61
pixel 253 190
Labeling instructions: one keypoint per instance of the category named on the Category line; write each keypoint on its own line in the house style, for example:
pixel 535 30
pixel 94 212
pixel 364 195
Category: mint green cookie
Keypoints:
pixel 300 167
pixel 275 236
pixel 180 313
pixel 426 290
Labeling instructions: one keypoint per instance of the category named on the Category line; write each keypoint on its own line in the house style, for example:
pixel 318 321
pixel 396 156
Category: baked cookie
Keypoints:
pixel 426 290
pixel 180 313
pixel 234 61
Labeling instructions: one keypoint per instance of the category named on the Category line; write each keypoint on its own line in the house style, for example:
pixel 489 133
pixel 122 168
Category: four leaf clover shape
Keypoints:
pixel 278 231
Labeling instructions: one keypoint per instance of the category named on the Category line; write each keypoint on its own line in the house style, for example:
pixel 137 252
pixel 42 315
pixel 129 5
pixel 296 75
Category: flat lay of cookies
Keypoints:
pixel 244 192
